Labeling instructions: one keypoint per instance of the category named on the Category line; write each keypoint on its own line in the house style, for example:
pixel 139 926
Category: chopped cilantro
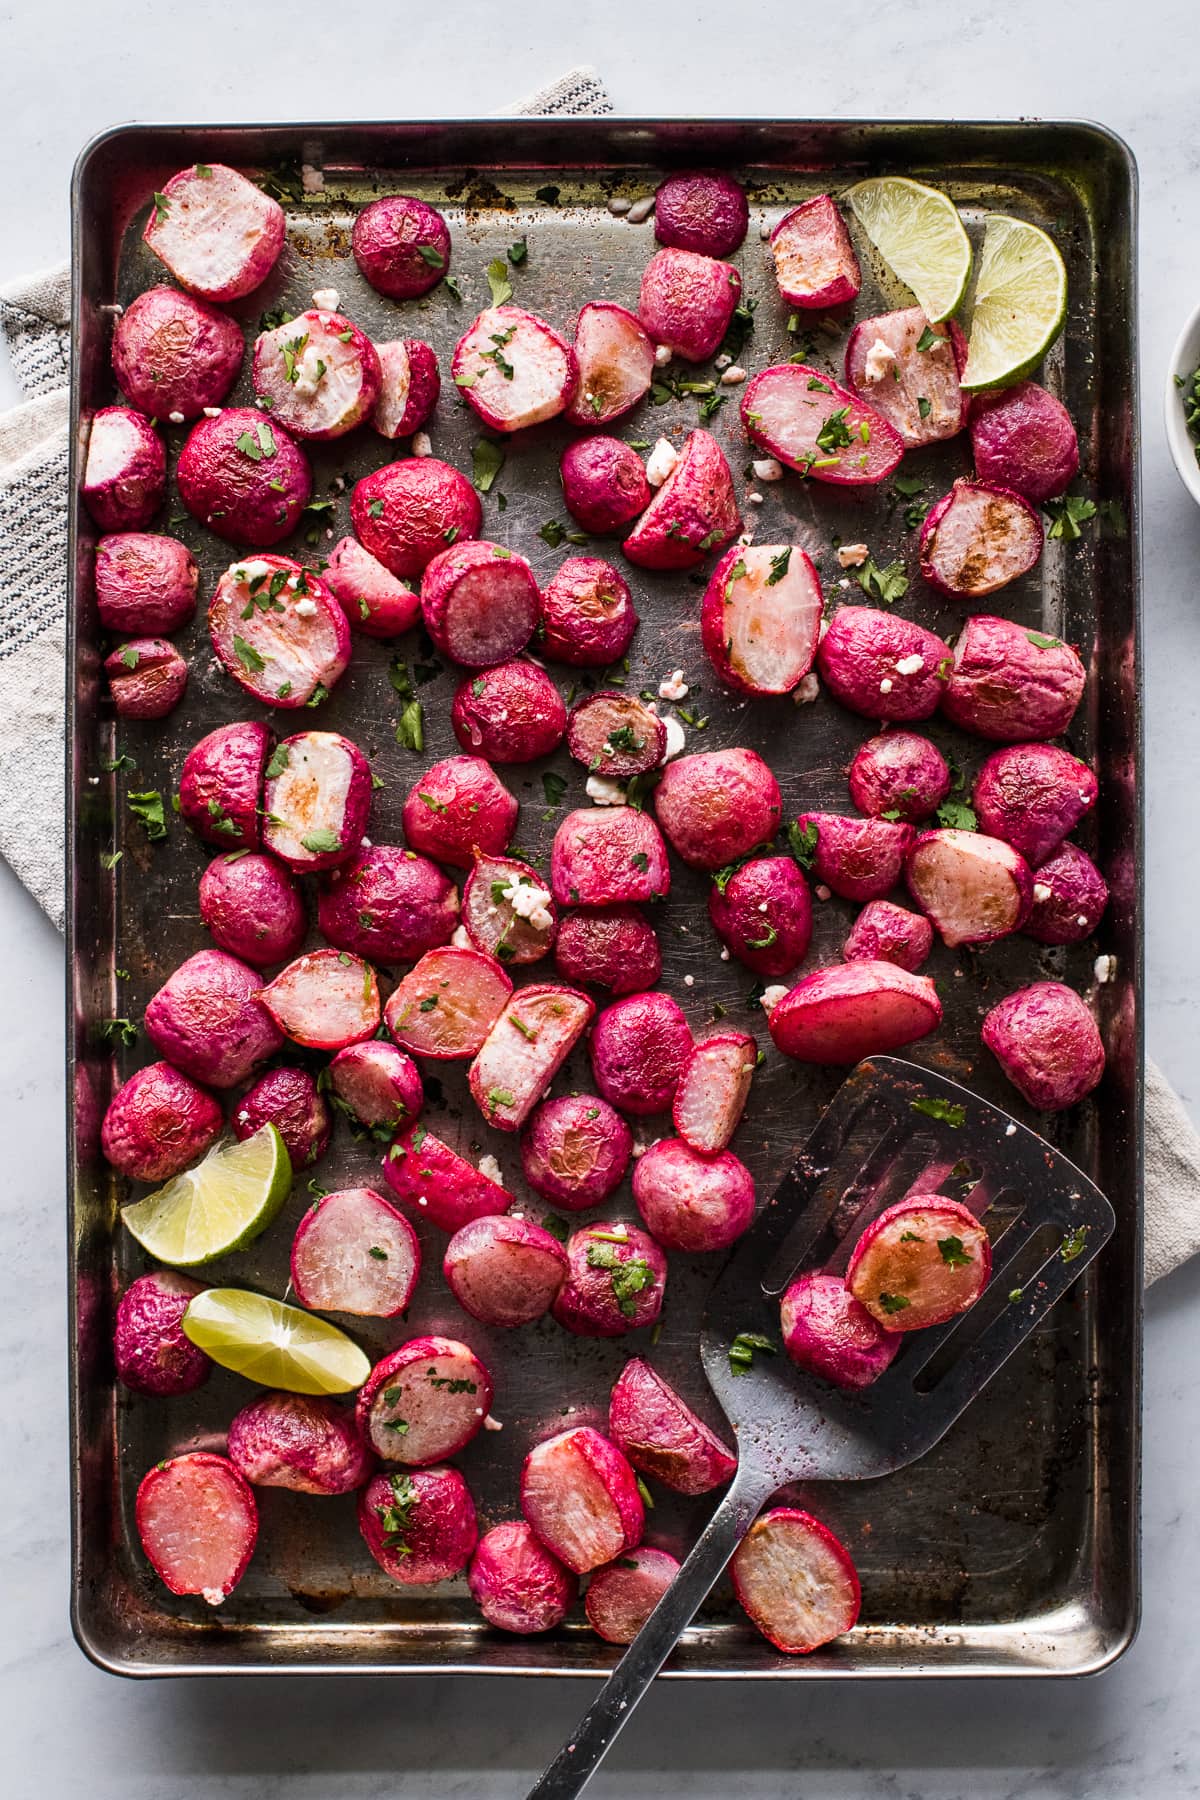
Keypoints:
pixel 945 1110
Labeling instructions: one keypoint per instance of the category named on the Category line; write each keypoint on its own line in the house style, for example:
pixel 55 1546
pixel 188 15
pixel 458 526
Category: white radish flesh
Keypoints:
pixel 447 1004
pixel 523 1052
pixel 354 1253
pixel 713 1091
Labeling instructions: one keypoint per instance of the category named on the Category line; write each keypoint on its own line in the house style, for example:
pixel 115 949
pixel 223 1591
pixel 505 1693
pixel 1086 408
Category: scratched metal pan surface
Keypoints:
pixel 1013 1548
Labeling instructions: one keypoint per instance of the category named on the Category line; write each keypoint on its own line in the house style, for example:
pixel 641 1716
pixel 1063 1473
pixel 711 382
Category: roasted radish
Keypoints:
pixel 220 786
pixel 388 905
pixel 973 888
pixel 588 616
pixel 406 512
pixel 157 1123
pixel 978 539
pixel 378 1085
pixel 300 1442
pixel 908 370
pixel 701 212
pixel 424 1401
pixel 604 483
pixel 615 735
pixel 860 859
pixel 253 908
pixel 504 1271
pixel 662 1436
pixel 288 1099
pixel 811 424
pixel 689 1202
pixel 218 234
pixel 581 1499
pixel 694 511
pixel 198 1524
pixel 713 1090
pixel 436 1183
pixel 354 1253
pixel 510 713
pixel 840 1015
pixel 1045 1039
pixel 125 470
pixel 608 856
pixel 402 246
pixel 884 932
pixel 616 1276
pixel 514 369
pixel 316 800
pixel 151 1353
pixel 245 478
pixel 827 1332
pixel 899 775
pixel 418 1524
pixel 517 1584
pixel 622 1595
pixel 640 1047
pixel 208 1019
pixel 524 1050
pixel 325 1000
pixel 278 631
pixel 319 373
pixel 507 912
pixel 144 583
pixel 447 1004
pixel 375 601
pixel 1023 439
pixel 1009 683
pixel 686 301
pixel 615 361
pixel 881 665
pixel 815 264
pixel 919 1263
pixel 615 947
pixel 762 913
pixel 459 806
pixel 717 805
pixel 1069 898
pixel 173 355
pixel 410 383
pixel 795 1581
pixel 480 603
pixel 1033 796
pixel 761 618
pixel 575 1150
pixel 146 678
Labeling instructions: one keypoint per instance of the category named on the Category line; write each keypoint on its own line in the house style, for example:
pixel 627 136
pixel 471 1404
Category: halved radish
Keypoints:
pixel 125 470
pixel 1047 1043
pixel 713 1091
pixel 588 615
pixel 401 245
pixel 604 482
pixel 298 1441
pixel 827 1332
pixel 278 631
pixel 446 1005
pixel 919 1263
pixel 198 1522
pixel 701 210
pixel 1032 796
pixel 481 603
pixel 760 619
pixel 218 234
pixel 354 1253
pixel 686 301
pixel 639 1050
pixel 860 859
pixel 325 1000
pixel 977 539
pixel 418 1524
pixel 514 369
pixel 908 370
pixel 409 387
pixel 375 601
pixel 1011 684
pixel 408 511
pixel 506 910
pixel 615 360
pixel 387 904
pixel 615 735
pixel 862 1009
pixel 316 800
pixel 319 373
pixel 504 1271
pixel 581 1498
pixel 457 808
pixel 516 1583
pixel 662 1436
pixel 621 1596
pixel 811 424
pixel 424 1401
pixel 815 264
pixel 616 1281
pixel 693 1203
pixel 1069 898
pixel 716 806
pixel 607 856
pixel 762 913
pixel 694 511
pixel 525 1049
pixel 795 1581
pixel 974 888
pixel 378 1085
pixel 437 1183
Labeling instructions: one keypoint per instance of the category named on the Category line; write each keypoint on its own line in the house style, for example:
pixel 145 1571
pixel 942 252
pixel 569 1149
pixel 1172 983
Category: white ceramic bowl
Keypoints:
pixel 1185 359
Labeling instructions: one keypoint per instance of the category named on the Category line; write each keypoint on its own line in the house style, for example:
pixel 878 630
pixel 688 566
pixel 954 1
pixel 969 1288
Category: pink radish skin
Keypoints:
pixel 514 369
pixel 439 1525
pixel 694 511
pixel 505 1272
pixel 524 1050
pixel 435 1183
pixel 662 1436
pixel 897 385
pixel 125 470
pixel 325 1000
pixel 220 786
pixel 278 630
pixel 588 615
pixel 978 539
pixel 146 678
pixel 884 932
pixel 860 658
pixel 920 1263
pixel 1045 1040
pixel 145 583
pixel 713 1090
pixel 760 619
pixel 763 914
pixel 401 246
pixel 899 774
pixel 795 1582
pixel 1023 439
pixel 621 1597
pixel 639 1048
pixel 839 1015
pixel 253 908
pixel 575 1151
pixel 217 234
pixel 480 603
pixel 299 1442
pixel 316 800
pixel 1010 684
pixel 815 264
pixel 512 713
pixel 601 1296
pixel 686 302
pixel 1069 898
pixel 972 888
pixel 243 498
pixel 517 1584
pixel 409 511
pixel 198 1523
pixel 612 947
pixel 608 856
pixel 354 1253
pixel 410 383
pixel 827 1332
pixel 615 361
pixel 175 354
pixel 208 1019
pixel 388 905
pixel 494 925
pixel 446 1005
pixel 150 1351
pixel 319 372
pixel 604 483
pixel 1033 796
pixel 379 1084
pixel 701 212
pixel 581 1499
pixel 435 1386
pixel 860 859
pixel 158 1123
pixel 615 735
pixel 288 1099
pixel 458 807
pixel 375 601
pixel 717 805
pixel 786 409
pixel 693 1203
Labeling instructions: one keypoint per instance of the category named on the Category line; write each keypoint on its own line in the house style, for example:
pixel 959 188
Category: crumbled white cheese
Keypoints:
pixel 1010 1129
pixel 641 209
pixel 764 230
pixel 461 938
pixel 618 206
pixel 662 356
pixel 214 1595
pixel 881 360
pixel 806 691
pixel 822 892
pixel 733 377
pixel 673 686
pixel 605 791
pixel 1041 892
pixel 422 444
pixel 1105 968
pixel 1082 919
pixel 689 981
pixel 213 412
pixel 852 556
pixel 746 538
pixel 762 906
pixel 252 570
pixel 491 1168
pixel 175 418
pixel 326 299
pixel 770 997
pixel 662 461
pixel 723 361
pixel 725 955
pixel 490 1424
pixel 530 902
pixel 754 498
pixel 310 371
pixel 311 180
pixel 306 609
pixel 676 738
pixel 639 1150
pixel 910 665
pixel 844 582
pixel 885 686
pixel 767 469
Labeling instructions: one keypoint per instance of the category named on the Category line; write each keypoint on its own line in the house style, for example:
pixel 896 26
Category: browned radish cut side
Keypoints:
pixel 325 1000
pixel 973 888
pixel 508 914
pixel 615 360
pixel 525 1049
pixel 796 1582
pixel 815 264
pixel 446 1005
pixel 662 1436
pixel 977 539
pixel 908 370
pixel 615 735
pixel 919 1263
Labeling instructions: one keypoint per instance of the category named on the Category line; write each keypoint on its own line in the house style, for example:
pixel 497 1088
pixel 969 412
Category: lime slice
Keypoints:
pixel 277 1345
pixel 221 1204
pixel 1020 303
pixel 920 237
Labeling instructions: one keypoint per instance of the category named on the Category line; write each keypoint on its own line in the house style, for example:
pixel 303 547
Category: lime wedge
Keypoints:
pixel 220 1205
pixel 920 237
pixel 277 1345
pixel 1020 303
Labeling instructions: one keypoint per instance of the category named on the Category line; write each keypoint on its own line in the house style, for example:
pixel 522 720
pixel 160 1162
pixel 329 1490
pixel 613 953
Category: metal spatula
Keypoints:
pixel 892 1129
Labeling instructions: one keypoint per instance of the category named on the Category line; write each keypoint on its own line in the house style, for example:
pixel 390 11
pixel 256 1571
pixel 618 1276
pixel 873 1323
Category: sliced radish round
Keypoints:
pixel 504 1271
pixel 375 601
pixel 815 264
pixel 409 387
pixel 218 234
pixel 516 1583
pixel 481 603
pixel 506 910
pixel 974 888
pixel 354 1253
pixel 795 1581
pixel 325 1000
pixel 379 1084
pixel 908 370
pixel 694 511
pixel 316 800
pixel 977 539
pixel 514 369
pixel 524 1050
pixel 713 1091
pixel 607 856
pixel 581 1498
pixel 198 1523
pixel 424 1401
pixel 615 358
pixel 615 735
pixel 662 1436
pixel 811 424
pixel 761 618
pixel 446 1005
pixel 862 1009
pixel 278 630
pixel 319 372
pixel 827 1332
pixel 919 1263
pixel 437 1183
pixel 621 1597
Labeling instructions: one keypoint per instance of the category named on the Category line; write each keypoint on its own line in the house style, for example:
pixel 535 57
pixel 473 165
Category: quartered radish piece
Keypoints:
pixel 424 1401
pixel 504 1271
pixel 418 1524
pixel 514 369
pixel 325 1000
pixel 607 856
pixel 713 1091
pixel 438 1184
pixel 662 1436
pixel 481 603
pixel 354 1253
pixel 795 1581
pixel 615 735
pixel 581 1498
pixel 621 1597
pixel 813 425
pixel 409 387
pixel 278 630
pixel 760 619
pixel 827 1332
pixel 316 800
pixel 860 859
pixel 319 372
pixel 524 1050
pixel 840 1015
pixel 615 359
pixel 694 511
pixel 446 1005
pixel 908 370
pixel 978 538
pixel 974 888
pixel 919 1263
pixel 506 910
pixel 198 1522
pixel 375 601
pixel 379 1085
pixel 218 234
pixel 815 264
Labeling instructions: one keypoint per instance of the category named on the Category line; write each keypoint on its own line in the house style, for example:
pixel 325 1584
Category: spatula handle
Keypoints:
pixel 579 1759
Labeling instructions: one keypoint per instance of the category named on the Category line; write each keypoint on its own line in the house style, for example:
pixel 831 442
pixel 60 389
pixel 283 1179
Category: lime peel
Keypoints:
pixel 918 233
pixel 221 1204
pixel 276 1345
pixel 1020 303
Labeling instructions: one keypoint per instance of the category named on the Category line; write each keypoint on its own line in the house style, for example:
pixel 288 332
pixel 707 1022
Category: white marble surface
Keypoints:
pixel 67 69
